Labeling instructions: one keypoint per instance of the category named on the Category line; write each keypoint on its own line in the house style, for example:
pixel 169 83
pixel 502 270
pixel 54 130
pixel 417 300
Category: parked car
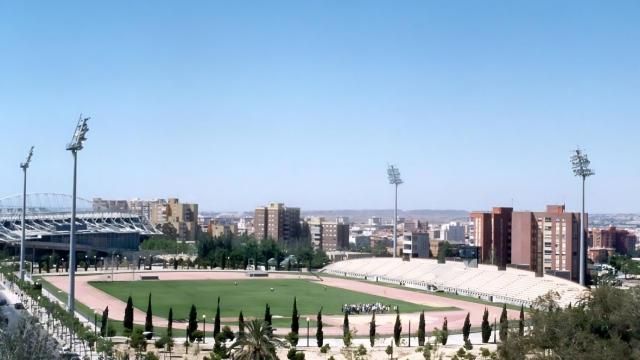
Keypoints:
pixel 18 306
pixel 3 302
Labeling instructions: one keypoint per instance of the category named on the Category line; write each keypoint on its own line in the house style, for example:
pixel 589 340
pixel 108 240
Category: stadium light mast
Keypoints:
pixel 24 166
pixel 394 179
pixel 580 164
pixel 79 136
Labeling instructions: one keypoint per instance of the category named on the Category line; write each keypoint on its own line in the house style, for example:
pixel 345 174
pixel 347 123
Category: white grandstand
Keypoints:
pixel 512 286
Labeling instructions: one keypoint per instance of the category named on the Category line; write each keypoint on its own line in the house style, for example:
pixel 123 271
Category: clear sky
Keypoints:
pixel 233 104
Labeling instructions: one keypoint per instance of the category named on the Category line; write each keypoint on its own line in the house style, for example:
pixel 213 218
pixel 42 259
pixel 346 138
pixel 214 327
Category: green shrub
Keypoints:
pixel 151 356
pixel 325 348
pixel 361 351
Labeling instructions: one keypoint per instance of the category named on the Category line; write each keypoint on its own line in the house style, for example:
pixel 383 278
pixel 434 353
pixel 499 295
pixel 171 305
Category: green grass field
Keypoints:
pixel 249 295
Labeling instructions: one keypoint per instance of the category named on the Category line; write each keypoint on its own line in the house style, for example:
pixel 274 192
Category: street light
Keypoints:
pixel 76 144
pixel 204 328
pixel 580 164
pixel 24 166
pixel 394 179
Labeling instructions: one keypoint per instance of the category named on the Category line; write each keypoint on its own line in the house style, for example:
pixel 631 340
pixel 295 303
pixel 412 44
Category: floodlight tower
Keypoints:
pixel 394 179
pixel 580 164
pixel 24 166
pixel 79 136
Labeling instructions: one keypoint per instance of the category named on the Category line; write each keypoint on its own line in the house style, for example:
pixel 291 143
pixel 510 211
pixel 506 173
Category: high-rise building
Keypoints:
pixel 216 228
pixel 492 233
pixel 183 217
pixel 328 236
pixel 547 241
pixel 453 232
pixel 141 207
pixel 616 240
pixel 278 222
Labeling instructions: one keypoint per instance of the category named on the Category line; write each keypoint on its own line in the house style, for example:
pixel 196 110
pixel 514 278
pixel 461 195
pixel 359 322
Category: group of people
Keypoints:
pixel 357 309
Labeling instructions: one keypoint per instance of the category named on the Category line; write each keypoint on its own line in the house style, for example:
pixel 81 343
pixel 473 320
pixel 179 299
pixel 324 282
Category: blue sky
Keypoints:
pixel 233 104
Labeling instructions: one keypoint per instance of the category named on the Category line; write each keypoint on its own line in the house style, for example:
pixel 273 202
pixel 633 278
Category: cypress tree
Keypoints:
pixel 127 323
pixel 267 315
pixel 193 323
pixel 240 324
pixel 397 330
pixel 486 328
pixel 295 318
pixel 372 330
pixel 445 331
pixel 345 324
pixel 170 323
pixel 504 324
pixel 521 322
pixel 148 323
pixel 421 330
pixel 319 332
pixel 216 324
pixel 466 328
pixel 103 323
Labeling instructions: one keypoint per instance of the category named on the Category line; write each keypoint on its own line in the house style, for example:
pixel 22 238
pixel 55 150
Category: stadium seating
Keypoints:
pixel 513 286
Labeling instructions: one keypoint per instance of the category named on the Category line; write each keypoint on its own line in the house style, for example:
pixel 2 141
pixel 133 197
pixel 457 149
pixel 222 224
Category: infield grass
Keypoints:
pixel 249 295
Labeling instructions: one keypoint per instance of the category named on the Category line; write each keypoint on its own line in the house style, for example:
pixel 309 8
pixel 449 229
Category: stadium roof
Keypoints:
pixel 50 214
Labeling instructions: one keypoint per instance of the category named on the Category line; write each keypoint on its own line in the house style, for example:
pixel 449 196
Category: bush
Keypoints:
pixel 292 338
pixel 291 354
pixel 227 333
pixel 325 348
pixel 299 355
pixel 361 350
pixel 467 345
pixel 151 356
pixel 160 343
pixel 198 335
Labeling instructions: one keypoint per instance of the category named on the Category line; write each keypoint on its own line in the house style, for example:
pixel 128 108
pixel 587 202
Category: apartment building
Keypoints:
pixel 415 244
pixel 278 222
pixel 103 205
pixel 183 217
pixel 492 233
pixel 547 241
pixel 328 236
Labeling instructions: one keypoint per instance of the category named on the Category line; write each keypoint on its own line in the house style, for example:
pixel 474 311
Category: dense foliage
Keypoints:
pixel 605 325
pixel 235 252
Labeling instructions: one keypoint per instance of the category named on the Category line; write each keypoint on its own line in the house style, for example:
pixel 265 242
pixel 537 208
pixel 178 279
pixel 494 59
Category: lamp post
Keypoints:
pixel 394 179
pixel 204 328
pixel 76 144
pixel 24 166
pixel 580 164
pixel 95 323
pixel 307 331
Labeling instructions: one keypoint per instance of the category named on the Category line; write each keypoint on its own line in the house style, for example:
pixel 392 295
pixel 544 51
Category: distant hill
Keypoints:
pixel 360 216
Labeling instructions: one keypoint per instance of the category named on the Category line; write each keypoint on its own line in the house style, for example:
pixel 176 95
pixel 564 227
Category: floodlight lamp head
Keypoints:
pixel 79 135
pixel 394 175
pixel 25 164
pixel 580 164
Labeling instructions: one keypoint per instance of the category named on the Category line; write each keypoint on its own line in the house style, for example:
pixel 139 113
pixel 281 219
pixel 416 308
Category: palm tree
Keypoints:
pixel 256 343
